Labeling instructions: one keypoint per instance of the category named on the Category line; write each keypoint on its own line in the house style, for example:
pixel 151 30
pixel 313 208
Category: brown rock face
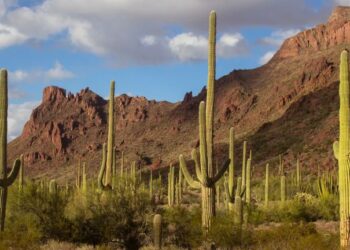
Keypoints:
pixel 287 106
pixel 334 33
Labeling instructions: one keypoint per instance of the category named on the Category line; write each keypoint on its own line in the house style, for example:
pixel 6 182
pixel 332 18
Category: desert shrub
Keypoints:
pixel 118 216
pixel 182 227
pixel 224 233
pixel 292 236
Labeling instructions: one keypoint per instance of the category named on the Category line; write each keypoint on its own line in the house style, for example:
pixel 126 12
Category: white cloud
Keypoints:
pixel 10 36
pixel 149 40
pixel 277 37
pixel 266 57
pixel 113 28
pixel 342 2
pixel 187 46
pixel 56 73
pixel 18 115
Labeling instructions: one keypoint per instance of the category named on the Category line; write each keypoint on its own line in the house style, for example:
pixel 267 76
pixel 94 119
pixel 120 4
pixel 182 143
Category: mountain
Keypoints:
pixel 288 106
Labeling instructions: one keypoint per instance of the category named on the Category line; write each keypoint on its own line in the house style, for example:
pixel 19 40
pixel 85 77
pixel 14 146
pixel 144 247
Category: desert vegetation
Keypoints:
pixel 227 207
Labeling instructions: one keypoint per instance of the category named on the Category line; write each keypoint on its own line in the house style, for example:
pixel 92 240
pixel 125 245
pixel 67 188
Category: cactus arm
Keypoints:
pixel 11 177
pixel 336 149
pixel 102 168
pixel 196 163
pixel 220 173
pixel 188 177
pixel 227 191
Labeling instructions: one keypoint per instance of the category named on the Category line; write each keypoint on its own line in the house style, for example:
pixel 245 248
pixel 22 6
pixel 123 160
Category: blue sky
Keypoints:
pixel 150 48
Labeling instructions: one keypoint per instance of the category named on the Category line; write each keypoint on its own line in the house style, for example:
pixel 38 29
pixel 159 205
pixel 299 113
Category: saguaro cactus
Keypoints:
pixel 110 139
pixel 84 179
pixel 298 175
pixel 267 186
pixel 171 186
pixel 342 151
pixel 244 165
pixel 6 180
pixel 238 211
pixel 157 231
pixel 205 173
pixel 21 174
pixel 100 184
pixel 248 183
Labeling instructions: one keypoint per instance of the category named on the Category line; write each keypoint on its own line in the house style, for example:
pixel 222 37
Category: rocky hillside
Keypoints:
pixel 287 106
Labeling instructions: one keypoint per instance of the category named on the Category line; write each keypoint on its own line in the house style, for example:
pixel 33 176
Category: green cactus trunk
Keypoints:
pixel 6 179
pixel 204 170
pixel 157 231
pixel 84 179
pixel 248 183
pixel 267 186
pixel 244 166
pixel 298 177
pixel 110 139
pixel 21 174
pixel 342 151
pixel 171 186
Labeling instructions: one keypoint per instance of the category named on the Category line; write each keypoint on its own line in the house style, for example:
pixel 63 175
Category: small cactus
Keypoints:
pixel 53 187
pixel 157 231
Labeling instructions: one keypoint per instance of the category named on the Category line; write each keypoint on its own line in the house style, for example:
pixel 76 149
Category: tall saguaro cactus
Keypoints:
pixel 110 139
pixel 205 172
pixel 267 186
pixel 6 180
pixel 342 150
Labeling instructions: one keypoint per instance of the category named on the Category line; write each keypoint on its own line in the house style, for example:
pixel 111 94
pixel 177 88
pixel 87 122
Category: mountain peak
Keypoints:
pixel 334 33
pixel 340 14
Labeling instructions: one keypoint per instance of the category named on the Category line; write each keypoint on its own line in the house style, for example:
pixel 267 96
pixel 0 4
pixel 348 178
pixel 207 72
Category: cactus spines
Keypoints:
pixel 5 179
pixel 342 150
pixel 110 139
pixel 267 186
pixel 157 231
pixel 21 174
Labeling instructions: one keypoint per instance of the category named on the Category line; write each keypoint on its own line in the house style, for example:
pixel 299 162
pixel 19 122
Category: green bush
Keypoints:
pixel 182 227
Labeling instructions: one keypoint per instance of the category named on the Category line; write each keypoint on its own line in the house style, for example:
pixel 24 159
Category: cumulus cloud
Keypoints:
pixel 343 2
pixel 187 46
pixel 266 57
pixel 10 36
pixel 277 37
pixel 56 73
pixel 18 115
pixel 113 28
